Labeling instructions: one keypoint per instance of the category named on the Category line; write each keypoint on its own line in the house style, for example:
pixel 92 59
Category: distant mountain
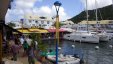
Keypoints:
pixel 105 13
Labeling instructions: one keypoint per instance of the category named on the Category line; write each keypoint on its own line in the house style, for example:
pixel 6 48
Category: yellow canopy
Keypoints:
pixel 24 31
pixel 33 30
pixel 38 30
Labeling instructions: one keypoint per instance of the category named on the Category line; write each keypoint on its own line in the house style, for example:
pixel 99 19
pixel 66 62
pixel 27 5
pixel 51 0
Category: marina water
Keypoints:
pixel 87 51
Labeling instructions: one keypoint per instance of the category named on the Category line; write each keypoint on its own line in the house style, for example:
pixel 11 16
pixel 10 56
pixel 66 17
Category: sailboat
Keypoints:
pixel 83 36
pixel 103 36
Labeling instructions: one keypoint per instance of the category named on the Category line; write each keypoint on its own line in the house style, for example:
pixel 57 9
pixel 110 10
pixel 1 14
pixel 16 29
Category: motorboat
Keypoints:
pixel 68 59
pixel 82 36
pixel 62 58
pixel 110 33
pixel 105 35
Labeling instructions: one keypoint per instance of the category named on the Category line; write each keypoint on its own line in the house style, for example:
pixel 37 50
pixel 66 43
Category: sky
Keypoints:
pixel 68 9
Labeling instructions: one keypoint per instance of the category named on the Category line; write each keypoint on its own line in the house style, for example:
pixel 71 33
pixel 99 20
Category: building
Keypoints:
pixel 34 21
pixel 101 23
pixel 67 22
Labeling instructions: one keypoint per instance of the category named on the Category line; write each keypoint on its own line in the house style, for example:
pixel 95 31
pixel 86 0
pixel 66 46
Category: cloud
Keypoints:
pixel 50 12
pixel 23 4
pixel 21 7
pixel 92 4
pixel 14 15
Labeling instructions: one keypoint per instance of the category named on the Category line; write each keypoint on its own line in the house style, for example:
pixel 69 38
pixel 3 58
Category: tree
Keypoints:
pixel 104 13
pixel 11 24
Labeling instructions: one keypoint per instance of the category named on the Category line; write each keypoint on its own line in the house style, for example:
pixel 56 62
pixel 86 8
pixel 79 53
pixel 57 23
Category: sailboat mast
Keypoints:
pixel 112 2
pixel 87 13
pixel 96 12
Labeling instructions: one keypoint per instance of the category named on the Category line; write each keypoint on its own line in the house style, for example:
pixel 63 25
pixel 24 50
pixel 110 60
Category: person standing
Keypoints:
pixel 21 39
pixel 15 50
pixel 29 40
pixel 31 55
pixel 25 46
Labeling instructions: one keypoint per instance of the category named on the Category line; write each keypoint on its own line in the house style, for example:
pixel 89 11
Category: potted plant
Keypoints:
pixel 41 47
pixel 43 50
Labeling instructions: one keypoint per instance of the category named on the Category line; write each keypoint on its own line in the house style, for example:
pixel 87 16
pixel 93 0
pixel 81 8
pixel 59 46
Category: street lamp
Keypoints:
pixel 22 24
pixel 57 5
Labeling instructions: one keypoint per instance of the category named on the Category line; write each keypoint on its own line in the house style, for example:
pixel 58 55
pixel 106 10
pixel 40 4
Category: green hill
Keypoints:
pixel 105 13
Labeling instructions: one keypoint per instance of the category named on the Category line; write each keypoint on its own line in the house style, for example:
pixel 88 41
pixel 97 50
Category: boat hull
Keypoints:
pixel 82 38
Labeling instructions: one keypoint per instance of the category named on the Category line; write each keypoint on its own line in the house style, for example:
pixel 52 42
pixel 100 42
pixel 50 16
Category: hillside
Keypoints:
pixel 105 13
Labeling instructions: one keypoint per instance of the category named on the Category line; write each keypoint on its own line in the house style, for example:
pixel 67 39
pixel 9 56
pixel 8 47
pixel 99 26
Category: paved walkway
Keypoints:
pixel 11 62
pixel 21 60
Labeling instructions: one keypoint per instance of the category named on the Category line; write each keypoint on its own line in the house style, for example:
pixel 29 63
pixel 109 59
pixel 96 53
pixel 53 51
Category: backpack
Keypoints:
pixel 25 45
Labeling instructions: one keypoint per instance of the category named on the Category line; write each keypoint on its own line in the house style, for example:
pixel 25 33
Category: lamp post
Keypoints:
pixel 57 5
pixel 22 24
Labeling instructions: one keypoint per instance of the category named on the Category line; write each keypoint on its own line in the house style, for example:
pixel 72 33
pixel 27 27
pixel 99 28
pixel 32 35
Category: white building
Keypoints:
pixel 67 22
pixel 34 21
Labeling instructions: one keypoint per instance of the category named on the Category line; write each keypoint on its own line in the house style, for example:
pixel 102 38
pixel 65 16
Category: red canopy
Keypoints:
pixel 54 30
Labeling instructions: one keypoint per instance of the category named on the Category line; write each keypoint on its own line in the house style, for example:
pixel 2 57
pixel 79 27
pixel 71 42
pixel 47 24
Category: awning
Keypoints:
pixel 54 30
pixel 32 30
pixel 38 30
pixel 24 31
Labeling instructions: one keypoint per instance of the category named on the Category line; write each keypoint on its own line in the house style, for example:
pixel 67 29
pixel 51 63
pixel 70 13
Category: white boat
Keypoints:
pixel 110 33
pixel 68 59
pixel 82 36
pixel 105 36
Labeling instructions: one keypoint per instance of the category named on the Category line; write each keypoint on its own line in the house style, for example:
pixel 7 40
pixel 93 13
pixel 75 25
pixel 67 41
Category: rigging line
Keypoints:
pixel 100 14
pixel 96 11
